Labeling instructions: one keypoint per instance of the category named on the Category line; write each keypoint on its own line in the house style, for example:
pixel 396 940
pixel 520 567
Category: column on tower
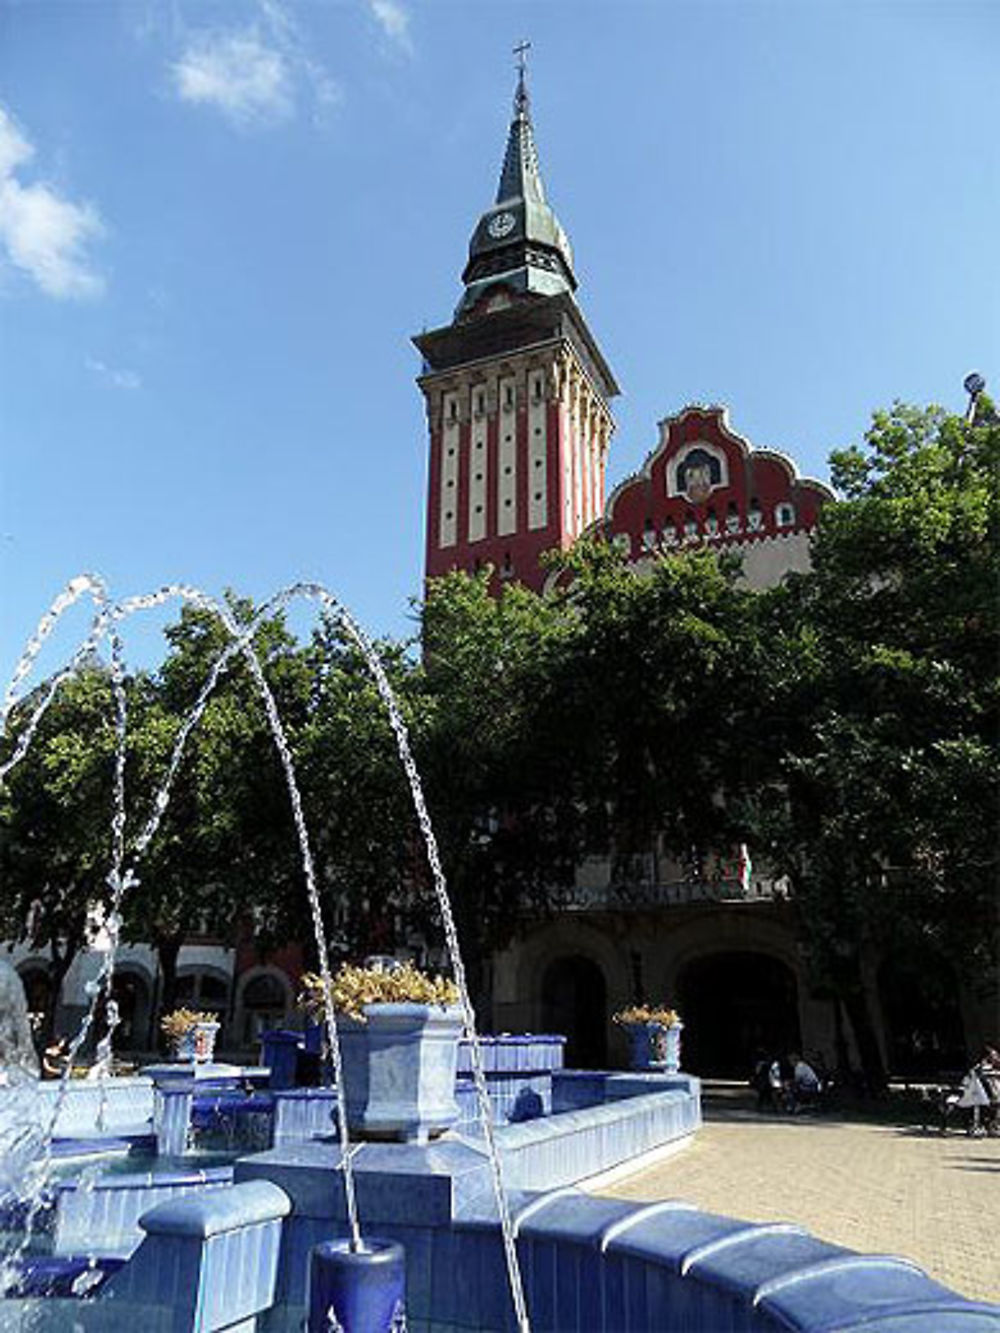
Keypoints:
pixel 478 462
pixel 449 471
pixel 537 459
pixel 507 457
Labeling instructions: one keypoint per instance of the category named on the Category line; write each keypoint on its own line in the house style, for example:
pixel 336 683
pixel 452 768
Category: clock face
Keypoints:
pixel 501 225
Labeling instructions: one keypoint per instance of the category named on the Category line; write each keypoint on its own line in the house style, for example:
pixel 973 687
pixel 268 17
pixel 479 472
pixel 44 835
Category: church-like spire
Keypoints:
pixel 520 177
pixel 518 247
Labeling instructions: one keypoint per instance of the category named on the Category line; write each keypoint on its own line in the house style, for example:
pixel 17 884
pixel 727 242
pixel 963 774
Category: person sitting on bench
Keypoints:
pixel 805 1087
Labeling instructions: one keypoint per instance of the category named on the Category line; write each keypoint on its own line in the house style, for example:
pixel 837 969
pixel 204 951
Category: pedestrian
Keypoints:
pixel 55 1058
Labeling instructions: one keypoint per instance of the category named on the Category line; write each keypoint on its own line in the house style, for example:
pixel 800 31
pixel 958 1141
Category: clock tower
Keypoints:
pixel 516 389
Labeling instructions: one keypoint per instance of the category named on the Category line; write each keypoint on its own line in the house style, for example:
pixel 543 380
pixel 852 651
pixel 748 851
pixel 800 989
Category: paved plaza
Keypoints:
pixel 874 1187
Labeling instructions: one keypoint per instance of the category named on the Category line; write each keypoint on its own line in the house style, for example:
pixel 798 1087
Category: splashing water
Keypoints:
pixel 106 620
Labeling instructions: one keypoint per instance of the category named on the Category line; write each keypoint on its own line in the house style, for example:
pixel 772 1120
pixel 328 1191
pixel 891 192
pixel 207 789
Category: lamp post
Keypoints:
pixel 973 384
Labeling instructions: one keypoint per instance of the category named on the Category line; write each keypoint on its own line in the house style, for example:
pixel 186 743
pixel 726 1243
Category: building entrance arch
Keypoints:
pixel 735 1005
pixel 575 1003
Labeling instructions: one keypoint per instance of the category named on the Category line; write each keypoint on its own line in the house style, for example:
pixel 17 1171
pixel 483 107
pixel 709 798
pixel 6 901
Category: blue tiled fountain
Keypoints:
pixel 226 1247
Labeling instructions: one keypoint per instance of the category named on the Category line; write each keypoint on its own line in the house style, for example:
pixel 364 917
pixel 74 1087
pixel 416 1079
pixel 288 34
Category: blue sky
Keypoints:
pixel 221 223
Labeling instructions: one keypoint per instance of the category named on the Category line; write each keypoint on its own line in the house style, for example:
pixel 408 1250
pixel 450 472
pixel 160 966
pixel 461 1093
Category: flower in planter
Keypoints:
pixel 354 987
pixel 645 1013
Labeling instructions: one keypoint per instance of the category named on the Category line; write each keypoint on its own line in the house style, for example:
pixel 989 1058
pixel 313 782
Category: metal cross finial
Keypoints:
pixel 521 51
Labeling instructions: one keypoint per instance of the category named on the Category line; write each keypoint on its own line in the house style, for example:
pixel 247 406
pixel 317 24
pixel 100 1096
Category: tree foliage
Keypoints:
pixel 883 719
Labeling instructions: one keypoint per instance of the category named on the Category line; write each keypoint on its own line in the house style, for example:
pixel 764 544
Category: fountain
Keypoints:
pixel 495 1229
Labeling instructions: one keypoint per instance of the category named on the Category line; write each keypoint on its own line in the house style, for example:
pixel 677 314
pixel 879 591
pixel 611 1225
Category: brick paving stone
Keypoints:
pixel 877 1188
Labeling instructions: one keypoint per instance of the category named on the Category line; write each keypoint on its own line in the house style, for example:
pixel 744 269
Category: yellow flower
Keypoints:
pixel 181 1021
pixel 354 987
pixel 644 1013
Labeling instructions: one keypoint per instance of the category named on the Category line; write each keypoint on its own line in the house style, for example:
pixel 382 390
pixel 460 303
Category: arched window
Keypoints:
pixel 711 523
pixel 784 515
pixel 264 1004
pixel 37 990
pixel 755 518
pixel 732 517
pixel 202 990
pixel 133 992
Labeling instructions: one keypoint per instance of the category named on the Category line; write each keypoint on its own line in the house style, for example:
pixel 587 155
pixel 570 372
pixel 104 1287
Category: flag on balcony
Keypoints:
pixel 744 869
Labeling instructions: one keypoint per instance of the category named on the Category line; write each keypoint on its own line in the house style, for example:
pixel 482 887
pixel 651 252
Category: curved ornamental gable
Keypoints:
pixel 704 484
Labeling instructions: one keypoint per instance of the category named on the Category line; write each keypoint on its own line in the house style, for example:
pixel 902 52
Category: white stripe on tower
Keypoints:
pixel 507 459
pixel 448 502
pixel 538 485
pixel 478 466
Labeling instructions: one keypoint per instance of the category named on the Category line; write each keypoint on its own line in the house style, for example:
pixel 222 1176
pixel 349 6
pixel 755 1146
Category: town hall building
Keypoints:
pixel 518 396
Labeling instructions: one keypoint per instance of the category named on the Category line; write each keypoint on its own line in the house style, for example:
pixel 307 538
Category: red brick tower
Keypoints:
pixel 517 389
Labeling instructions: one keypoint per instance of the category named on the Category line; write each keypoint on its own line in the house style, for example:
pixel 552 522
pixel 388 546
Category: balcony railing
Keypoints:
pixel 639 895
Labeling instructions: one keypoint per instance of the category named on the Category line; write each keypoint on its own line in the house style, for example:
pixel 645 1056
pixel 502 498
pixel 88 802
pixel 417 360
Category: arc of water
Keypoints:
pixel 315 908
pixel 241 641
pixel 85 584
pixel 455 953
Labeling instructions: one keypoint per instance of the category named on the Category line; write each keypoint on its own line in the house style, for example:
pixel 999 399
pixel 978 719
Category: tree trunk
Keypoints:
pixel 62 961
pixel 857 1009
pixel 167 950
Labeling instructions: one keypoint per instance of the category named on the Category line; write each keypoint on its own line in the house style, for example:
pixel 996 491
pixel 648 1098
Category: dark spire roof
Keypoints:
pixel 520 177
pixel 518 244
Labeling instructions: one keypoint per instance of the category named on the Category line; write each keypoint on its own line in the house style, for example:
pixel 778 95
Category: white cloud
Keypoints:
pixel 249 81
pixel 118 379
pixel 42 233
pixel 394 20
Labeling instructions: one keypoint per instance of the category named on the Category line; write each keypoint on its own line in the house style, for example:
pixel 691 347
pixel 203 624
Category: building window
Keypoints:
pixel 265 1004
pixel 732 517
pixel 785 515
pixel 202 990
pixel 690 526
pixel 754 518
pixel 649 536
pixel 711 523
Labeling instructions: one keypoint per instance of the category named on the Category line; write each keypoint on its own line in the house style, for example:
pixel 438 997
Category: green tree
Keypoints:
pixel 882 804
pixel 224 858
pixel 55 824
pixel 584 722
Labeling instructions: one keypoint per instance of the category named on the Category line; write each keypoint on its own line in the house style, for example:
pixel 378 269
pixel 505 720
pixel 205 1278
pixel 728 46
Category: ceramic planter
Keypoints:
pixel 399 1070
pixel 654 1046
pixel 197 1044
